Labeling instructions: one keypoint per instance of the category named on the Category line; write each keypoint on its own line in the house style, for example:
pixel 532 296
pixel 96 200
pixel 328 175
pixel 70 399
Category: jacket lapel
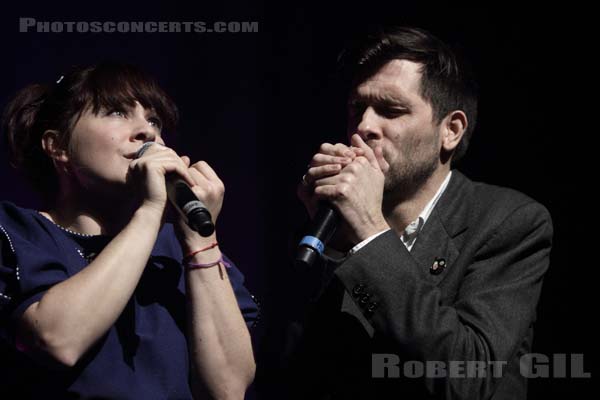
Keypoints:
pixel 434 244
pixel 447 221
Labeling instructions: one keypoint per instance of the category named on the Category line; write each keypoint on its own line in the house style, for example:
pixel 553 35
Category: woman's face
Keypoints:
pixel 102 145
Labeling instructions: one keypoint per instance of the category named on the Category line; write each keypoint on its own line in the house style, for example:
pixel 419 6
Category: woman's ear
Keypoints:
pixel 52 147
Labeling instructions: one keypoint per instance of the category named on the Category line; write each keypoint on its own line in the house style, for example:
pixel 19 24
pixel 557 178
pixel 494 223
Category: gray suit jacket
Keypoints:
pixel 467 291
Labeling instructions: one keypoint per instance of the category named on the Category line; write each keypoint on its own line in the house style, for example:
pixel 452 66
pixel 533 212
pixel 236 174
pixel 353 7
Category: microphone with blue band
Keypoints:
pixel 321 229
pixel 313 242
pixel 185 201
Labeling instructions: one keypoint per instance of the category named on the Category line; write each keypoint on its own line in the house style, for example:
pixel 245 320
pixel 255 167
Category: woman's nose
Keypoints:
pixel 142 130
pixel 144 136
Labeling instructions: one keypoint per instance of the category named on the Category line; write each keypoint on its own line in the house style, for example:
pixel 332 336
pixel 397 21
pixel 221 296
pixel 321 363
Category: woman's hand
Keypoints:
pixel 210 190
pixel 147 175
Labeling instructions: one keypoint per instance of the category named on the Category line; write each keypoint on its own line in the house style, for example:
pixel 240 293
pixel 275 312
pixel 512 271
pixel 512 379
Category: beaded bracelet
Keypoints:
pixel 208 265
pixel 193 253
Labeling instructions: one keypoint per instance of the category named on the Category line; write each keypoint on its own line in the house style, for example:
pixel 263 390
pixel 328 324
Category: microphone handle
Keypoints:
pixel 185 201
pixel 195 212
pixel 322 227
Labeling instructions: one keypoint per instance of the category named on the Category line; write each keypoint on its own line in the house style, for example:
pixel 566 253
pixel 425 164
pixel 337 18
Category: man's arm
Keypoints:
pixel 492 311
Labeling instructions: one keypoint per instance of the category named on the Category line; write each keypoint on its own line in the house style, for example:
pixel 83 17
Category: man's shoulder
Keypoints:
pixel 500 196
pixel 487 201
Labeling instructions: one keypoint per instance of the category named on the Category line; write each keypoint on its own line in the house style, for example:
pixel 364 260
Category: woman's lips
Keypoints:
pixel 130 156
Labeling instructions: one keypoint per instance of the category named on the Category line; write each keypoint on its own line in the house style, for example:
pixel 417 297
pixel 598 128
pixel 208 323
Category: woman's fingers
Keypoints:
pixel 206 170
pixel 157 157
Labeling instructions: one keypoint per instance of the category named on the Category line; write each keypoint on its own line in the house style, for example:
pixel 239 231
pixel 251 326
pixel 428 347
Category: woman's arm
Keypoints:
pixel 74 314
pixel 222 362
pixel 220 347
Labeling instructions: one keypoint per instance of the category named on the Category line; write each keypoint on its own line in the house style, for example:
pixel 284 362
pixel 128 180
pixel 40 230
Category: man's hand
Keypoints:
pixel 351 178
pixel 329 161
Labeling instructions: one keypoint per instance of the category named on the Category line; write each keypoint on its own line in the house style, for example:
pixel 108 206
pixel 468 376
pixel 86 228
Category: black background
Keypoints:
pixel 257 105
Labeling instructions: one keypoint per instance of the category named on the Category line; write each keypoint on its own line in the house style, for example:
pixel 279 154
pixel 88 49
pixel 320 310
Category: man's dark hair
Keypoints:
pixel 447 81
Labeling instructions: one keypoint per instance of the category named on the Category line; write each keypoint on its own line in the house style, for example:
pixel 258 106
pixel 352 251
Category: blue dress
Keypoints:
pixel 144 355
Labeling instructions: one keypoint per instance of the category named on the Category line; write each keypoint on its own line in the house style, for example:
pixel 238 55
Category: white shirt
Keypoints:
pixel 409 236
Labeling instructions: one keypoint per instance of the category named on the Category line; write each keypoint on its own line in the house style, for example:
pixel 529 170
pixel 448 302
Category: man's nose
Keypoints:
pixel 369 127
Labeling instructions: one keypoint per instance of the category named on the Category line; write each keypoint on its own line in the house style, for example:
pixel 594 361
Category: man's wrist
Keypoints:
pixel 366 241
pixel 372 229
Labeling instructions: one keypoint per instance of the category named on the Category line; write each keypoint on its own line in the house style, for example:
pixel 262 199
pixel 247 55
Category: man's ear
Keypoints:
pixel 54 150
pixel 454 126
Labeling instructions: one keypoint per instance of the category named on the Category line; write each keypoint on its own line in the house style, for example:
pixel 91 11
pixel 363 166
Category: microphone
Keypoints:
pixel 185 201
pixel 321 229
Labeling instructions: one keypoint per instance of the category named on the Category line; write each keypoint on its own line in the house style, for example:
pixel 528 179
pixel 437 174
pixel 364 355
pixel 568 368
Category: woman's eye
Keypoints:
pixel 117 113
pixel 155 121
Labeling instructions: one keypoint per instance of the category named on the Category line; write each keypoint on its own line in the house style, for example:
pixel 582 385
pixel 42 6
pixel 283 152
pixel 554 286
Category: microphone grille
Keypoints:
pixel 143 149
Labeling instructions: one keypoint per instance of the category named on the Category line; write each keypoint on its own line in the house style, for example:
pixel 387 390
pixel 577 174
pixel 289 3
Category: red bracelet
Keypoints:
pixel 192 254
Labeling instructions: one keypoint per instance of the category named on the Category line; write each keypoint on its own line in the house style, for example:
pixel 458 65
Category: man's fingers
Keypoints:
pixel 320 159
pixel 332 192
pixel 338 149
pixel 315 173
pixel 383 164
pixel 335 179
pixel 357 151
pixel 368 152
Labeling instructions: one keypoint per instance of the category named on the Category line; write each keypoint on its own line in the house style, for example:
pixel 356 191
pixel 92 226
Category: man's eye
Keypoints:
pixel 391 112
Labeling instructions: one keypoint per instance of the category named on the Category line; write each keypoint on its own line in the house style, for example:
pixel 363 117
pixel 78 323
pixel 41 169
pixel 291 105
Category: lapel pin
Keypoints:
pixel 438 266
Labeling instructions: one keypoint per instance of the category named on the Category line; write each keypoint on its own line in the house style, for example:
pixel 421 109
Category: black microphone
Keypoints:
pixel 321 228
pixel 185 201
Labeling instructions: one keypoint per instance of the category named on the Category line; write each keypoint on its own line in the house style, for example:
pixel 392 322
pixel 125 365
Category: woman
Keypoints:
pixel 104 298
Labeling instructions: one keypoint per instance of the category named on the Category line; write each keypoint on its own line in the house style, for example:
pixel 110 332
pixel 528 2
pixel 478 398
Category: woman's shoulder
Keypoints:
pixel 17 218
pixel 26 229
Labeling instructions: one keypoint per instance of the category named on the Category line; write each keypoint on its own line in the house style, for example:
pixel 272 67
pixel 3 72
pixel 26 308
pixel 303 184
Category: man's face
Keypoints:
pixel 387 110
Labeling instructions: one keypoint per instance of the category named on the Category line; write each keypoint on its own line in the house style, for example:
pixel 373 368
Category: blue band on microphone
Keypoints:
pixel 313 243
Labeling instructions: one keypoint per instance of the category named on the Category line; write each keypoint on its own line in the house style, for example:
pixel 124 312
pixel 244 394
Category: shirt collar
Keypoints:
pixel 412 230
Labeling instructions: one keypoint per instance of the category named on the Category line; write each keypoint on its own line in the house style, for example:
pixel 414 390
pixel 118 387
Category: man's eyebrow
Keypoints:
pixel 381 98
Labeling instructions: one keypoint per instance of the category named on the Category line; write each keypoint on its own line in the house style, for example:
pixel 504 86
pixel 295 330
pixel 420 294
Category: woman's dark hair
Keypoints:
pixel 447 81
pixel 58 106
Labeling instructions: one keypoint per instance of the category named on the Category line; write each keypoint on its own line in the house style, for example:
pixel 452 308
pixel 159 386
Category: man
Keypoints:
pixel 435 291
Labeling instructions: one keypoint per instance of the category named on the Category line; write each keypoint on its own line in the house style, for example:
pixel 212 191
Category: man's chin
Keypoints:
pixel 399 187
